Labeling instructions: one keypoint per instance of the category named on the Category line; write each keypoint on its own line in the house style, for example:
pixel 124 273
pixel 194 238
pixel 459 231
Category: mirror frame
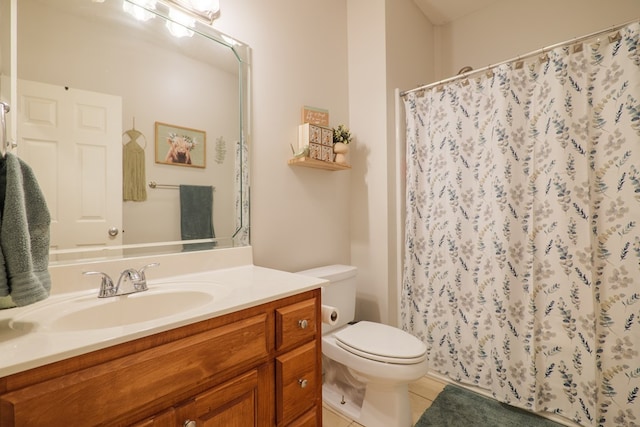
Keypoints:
pixel 241 236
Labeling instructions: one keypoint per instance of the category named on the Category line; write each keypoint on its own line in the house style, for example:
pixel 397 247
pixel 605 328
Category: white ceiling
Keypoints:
pixel 442 11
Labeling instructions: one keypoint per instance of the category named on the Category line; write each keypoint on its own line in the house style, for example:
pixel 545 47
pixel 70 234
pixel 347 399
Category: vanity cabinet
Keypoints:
pixel 260 366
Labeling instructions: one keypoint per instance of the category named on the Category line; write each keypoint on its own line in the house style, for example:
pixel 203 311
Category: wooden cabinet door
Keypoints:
pixel 232 404
pixel 310 419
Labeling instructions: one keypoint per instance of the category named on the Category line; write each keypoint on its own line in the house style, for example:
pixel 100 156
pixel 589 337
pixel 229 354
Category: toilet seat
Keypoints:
pixel 382 343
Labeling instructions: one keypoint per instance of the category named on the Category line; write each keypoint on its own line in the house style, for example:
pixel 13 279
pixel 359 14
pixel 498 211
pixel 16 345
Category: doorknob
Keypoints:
pixel 113 231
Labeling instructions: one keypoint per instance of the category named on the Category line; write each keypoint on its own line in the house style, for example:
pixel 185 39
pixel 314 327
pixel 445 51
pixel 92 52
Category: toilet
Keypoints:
pixel 367 366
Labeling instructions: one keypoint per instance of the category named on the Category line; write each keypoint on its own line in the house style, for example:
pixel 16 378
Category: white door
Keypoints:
pixel 73 141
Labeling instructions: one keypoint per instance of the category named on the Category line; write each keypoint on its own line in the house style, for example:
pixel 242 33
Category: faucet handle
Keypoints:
pixel 141 271
pixel 106 285
pixel 141 285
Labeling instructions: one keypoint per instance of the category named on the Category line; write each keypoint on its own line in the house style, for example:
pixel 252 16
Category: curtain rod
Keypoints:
pixel 521 57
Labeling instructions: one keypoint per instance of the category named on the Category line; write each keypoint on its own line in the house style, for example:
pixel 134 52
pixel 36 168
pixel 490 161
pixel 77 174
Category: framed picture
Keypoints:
pixel 180 146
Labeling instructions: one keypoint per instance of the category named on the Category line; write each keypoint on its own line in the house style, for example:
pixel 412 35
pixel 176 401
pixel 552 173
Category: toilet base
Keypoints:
pixel 336 400
pixel 384 405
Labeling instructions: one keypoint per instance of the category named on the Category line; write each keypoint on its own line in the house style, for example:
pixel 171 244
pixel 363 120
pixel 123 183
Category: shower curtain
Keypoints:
pixel 522 247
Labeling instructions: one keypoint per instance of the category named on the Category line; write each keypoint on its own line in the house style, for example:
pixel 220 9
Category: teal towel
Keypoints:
pixel 196 215
pixel 24 236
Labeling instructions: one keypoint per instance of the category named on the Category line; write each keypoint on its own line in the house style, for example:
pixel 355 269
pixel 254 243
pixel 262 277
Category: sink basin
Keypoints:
pixel 88 312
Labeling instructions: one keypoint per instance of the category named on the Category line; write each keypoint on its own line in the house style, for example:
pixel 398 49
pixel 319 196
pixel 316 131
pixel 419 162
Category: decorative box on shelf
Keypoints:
pixel 319 139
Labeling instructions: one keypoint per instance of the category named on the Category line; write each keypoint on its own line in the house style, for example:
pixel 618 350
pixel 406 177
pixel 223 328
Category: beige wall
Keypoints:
pixel 410 47
pixel 509 28
pixel 367 109
pixel 5 38
pixel 299 217
pixel 390 45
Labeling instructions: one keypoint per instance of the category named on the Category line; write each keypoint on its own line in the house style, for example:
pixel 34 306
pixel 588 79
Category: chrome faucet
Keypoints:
pixel 130 281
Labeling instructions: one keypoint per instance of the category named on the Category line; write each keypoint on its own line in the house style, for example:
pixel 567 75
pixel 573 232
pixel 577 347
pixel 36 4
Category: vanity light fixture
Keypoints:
pixel 139 9
pixel 182 13
pixel 205 10
pixel 179 23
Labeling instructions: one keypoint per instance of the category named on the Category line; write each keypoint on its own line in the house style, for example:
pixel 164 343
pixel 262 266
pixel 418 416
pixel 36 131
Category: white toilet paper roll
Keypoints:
pixel 330 315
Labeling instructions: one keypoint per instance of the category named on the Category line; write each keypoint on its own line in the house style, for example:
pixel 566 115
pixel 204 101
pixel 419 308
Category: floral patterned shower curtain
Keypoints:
pixel 522 248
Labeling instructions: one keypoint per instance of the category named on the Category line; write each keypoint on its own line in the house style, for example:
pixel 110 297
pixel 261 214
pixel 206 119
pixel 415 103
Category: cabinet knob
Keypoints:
pixel 189 423
pixel 302 382
pixel 303 323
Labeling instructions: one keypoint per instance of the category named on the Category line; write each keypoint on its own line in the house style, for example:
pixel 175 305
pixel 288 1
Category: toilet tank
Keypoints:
pixel 340 292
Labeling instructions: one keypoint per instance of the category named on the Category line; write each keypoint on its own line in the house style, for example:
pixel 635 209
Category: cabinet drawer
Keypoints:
pixel 296 383
pixel 295 324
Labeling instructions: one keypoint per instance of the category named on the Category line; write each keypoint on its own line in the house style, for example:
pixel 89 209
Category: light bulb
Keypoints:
pixel 206 5
pixel 182 21
pixel 136 8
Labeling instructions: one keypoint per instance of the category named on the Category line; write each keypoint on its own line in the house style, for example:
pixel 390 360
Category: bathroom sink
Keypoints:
pixel 88 312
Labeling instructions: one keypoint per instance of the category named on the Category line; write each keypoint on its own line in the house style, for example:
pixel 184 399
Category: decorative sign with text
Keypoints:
pixel 315 116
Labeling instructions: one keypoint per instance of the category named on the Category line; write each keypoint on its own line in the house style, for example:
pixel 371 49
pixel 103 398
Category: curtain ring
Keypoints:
pixel 615 37
pixel 544 57
pixel 489 72
pixel 519 64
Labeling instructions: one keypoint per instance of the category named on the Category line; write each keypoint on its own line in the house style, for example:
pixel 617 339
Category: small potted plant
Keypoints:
pixel 341 137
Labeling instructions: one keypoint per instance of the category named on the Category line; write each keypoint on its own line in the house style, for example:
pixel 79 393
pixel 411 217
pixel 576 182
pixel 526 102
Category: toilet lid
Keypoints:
pixel 382 343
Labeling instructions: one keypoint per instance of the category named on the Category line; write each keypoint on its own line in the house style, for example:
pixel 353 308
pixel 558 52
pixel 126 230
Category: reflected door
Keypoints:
pixel 73 141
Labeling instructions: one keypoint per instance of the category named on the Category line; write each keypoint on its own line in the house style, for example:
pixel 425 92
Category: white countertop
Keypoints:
pixel 246 286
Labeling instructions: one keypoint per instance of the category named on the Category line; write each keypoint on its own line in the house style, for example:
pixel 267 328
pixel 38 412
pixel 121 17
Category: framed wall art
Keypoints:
pixel 180 146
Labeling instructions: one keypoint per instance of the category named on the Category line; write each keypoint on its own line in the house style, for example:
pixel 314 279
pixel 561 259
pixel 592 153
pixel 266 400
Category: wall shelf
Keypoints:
pixel 308 162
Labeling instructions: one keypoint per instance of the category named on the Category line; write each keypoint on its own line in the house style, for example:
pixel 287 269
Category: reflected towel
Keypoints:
pixel 24 235
pixel 196 214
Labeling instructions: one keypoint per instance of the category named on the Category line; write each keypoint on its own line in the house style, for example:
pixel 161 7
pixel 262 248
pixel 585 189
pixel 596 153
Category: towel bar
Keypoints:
pixel 153 184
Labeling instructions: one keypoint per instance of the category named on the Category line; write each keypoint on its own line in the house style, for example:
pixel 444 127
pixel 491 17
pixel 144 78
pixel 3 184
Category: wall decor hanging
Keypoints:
pixel 133 165
pixel 180 146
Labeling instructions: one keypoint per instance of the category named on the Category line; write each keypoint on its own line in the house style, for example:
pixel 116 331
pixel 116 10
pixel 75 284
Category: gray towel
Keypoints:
pixel 196 214
pixel 24 236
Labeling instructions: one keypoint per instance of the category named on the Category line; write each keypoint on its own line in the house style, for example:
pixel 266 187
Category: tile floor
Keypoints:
pixel 421 393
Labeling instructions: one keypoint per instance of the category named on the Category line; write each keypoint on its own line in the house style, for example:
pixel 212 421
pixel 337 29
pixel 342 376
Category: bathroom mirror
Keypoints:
pixel 91 78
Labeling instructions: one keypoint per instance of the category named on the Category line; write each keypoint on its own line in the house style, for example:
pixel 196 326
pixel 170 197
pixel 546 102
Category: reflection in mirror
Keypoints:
pixel 93 81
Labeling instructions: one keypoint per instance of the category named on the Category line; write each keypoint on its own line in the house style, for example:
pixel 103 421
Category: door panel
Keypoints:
pixel 73 141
